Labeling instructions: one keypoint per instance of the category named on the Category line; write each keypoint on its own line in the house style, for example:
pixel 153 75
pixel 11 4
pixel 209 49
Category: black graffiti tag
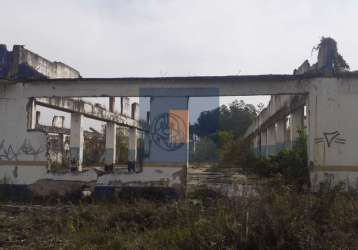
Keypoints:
pixel 9 153
pixel 330 137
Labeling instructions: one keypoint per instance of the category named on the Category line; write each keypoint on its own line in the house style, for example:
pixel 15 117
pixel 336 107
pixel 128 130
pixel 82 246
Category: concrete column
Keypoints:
pixel 132 149
pixel 61 138
pixel 38 115
pixel 135 111
pixel 125 107
pixel 112 102
pixel 280 135
pixel 169 130
pixel 31 114
pixel 271 141
pixel 76 141
pixel 263 143
pixel 146 145
pixel 111 136
pixel 297 119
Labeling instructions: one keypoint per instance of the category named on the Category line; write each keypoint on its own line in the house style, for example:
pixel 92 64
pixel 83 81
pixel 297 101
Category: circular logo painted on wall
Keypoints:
pixel 168 131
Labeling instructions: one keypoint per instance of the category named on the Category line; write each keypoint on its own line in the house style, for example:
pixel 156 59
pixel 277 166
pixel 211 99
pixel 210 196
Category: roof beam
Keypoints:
pixel 169 86
pixel 89 110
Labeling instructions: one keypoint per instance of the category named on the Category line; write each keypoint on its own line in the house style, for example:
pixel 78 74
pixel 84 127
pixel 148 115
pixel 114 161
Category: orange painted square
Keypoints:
pixel 179 126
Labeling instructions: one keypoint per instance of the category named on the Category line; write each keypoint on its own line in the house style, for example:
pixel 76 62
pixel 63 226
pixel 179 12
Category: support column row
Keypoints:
pixel 77 144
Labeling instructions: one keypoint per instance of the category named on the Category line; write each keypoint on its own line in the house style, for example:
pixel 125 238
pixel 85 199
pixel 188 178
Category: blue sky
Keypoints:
pixel 107 38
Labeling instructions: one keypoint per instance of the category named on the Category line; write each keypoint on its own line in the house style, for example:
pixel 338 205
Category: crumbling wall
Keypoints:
pixel 329 61
pixel 23 63
pixel 4 61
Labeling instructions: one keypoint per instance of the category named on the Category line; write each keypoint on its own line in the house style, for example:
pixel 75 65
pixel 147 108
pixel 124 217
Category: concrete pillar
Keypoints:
pixel 169 130
pixel 146 144
pixel 112 102
pixel 271 141
pixel 135 111
pixel 125 107
pixel 111 136
pixel 148 117
pixel 31 114
pixel 76 141
pixel 61 138
pixel 263 143
pixel 280 135
pixel 132 149
pixel 38 115
pixel 297 120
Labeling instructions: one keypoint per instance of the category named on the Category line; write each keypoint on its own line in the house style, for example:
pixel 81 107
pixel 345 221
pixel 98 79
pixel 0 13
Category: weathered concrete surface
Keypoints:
pixel 21 63
pixel 273 120
pixel 149 177
pixel 169 86
pixel 332 130
pixel 89 110
pixel 110 148
pixel 40 182
pixel 332 124
pixel 279 107
pixel 329 61
pixel 16 143
pixel 169 133
pixel 77 141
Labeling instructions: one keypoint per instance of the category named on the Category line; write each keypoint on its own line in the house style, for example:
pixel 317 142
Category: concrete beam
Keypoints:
pixel 89 110
pixel 279 107
pixel 66 131
pixel 170 86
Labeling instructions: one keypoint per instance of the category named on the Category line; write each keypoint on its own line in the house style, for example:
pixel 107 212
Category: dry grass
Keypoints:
pixel 279 218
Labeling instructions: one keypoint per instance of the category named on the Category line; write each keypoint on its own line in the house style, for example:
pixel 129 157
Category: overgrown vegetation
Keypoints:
pixel 280 214
pixel 289 163
pixel 278 217
pixel 212 125
pixel 93 151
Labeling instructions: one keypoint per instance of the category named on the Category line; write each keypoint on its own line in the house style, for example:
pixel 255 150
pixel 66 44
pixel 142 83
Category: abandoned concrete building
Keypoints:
pixel 319 99
pixel 21 63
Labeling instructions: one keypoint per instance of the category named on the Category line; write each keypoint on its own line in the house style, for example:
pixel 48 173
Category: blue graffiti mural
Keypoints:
pixel 168 131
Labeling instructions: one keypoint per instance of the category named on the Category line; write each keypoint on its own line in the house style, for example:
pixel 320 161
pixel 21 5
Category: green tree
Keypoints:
pixel 235 118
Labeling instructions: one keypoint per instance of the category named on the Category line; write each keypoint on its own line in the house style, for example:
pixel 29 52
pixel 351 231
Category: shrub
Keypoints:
pixel 279 217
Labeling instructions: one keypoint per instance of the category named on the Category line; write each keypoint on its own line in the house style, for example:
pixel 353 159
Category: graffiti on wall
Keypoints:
pixel 330 138
pixel 10 153
pixel 169 131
